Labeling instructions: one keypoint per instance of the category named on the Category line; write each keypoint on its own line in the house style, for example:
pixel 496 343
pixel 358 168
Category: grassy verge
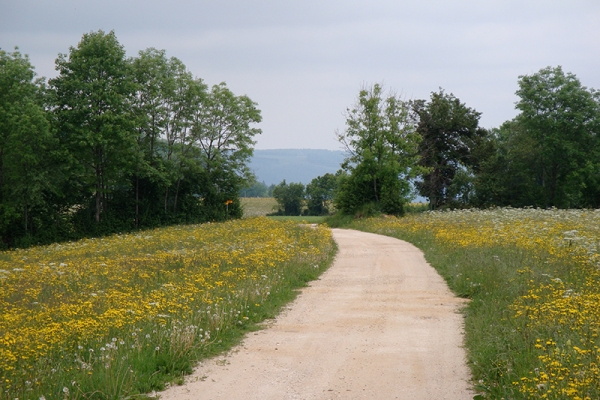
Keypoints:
pixel 308 219
pixel 120 316
pixel 532 325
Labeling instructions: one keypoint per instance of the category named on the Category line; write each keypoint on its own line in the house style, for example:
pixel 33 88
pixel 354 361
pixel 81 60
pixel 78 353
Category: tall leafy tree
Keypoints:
pixel 123 142
pixel 450 132
pixel 92 101
pixel 223 131
pixel 25 143
pixel 382 143
pixel 562 118
pixel 290 197
pixel 508 174
pixel 154 83
pixel 184 98
pixel 319 194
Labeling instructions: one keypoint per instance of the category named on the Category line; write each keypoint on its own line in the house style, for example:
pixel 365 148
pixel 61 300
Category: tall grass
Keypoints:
pixel 532 276
pixel 119 316
pixel 306 219
pixel 258 206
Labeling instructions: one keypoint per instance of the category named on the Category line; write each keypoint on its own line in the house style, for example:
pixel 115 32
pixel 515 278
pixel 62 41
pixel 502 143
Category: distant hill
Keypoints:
pixel 294 165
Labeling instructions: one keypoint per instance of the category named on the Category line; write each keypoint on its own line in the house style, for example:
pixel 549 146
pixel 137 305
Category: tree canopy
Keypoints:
pixel 382 143
pixel 450 133
pixel 562 118
pixel 547 156
pixel 290 198
pixel 25 145
pixel 115 143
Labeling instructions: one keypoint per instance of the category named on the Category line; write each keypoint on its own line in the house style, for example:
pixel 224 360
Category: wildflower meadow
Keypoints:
pixel 113 317
pixel 532 277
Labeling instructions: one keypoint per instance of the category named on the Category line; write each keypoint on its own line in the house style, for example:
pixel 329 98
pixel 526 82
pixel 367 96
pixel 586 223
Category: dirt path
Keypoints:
pixel 379 324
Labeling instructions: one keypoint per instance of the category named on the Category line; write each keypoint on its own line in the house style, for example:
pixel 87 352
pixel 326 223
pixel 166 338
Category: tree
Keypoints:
pixel 25 141
pixel 193 142
pixel 290 197
pixel 223 133
pixel 154 78
pixel 319 194
pixel 450 132
pixel 562 118
pixel 507 176
pixel 92 97
pixel 382 144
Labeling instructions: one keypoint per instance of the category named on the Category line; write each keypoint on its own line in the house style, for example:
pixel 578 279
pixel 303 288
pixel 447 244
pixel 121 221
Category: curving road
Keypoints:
pixel 379 324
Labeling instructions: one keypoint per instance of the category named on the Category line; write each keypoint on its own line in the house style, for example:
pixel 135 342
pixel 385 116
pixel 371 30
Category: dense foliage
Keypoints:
pixel 382 144
pixel 316 198
pixel 450 134
pixel 548 156
pixel 115 143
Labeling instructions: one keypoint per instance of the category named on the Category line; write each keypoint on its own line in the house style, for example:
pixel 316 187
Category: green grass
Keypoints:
pixel 309 219
pixel 258 206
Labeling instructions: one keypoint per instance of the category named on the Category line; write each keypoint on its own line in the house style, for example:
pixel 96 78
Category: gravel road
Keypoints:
pixel 379 324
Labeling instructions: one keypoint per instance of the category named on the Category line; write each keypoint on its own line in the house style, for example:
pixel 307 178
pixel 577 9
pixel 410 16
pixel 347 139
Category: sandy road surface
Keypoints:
pixel 379 324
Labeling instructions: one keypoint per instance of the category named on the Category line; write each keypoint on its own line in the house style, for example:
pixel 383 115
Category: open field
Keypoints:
pixel 533 280
pixel 258 206
pixel 108 318
pixel 307 219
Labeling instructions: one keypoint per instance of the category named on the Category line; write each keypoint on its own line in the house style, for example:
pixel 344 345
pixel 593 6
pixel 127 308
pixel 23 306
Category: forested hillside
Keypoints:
pixel 294 165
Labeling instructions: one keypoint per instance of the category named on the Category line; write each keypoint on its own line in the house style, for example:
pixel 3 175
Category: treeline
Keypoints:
pixel 115 143
pixel 548 156
pixel 316 198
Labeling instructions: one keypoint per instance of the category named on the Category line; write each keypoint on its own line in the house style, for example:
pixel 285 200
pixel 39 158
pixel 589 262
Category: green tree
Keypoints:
pixel 25 143
pixel 508 176
pixel 290 198
pixel 382 142
pixel 223 132
pixel 92 97
pixel 319 194
pixel 562 119
pixel 184 97
pixel 193 142
pixel 153 76
pixel 450 132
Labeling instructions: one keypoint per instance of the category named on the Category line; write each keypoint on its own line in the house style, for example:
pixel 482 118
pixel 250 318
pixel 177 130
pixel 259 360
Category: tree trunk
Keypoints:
pixel 26 218
pixel 98 168
pixel 553 179
pixel 1 174
pixel 176 194
pixel 166 198
pixel 137 201
pixel 98 200
pixel 375 190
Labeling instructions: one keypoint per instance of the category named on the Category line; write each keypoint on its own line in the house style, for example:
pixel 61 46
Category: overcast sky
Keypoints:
pixel 304 62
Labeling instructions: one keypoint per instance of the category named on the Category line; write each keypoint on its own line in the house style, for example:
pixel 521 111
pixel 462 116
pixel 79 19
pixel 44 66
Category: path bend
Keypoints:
pixel 379 324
